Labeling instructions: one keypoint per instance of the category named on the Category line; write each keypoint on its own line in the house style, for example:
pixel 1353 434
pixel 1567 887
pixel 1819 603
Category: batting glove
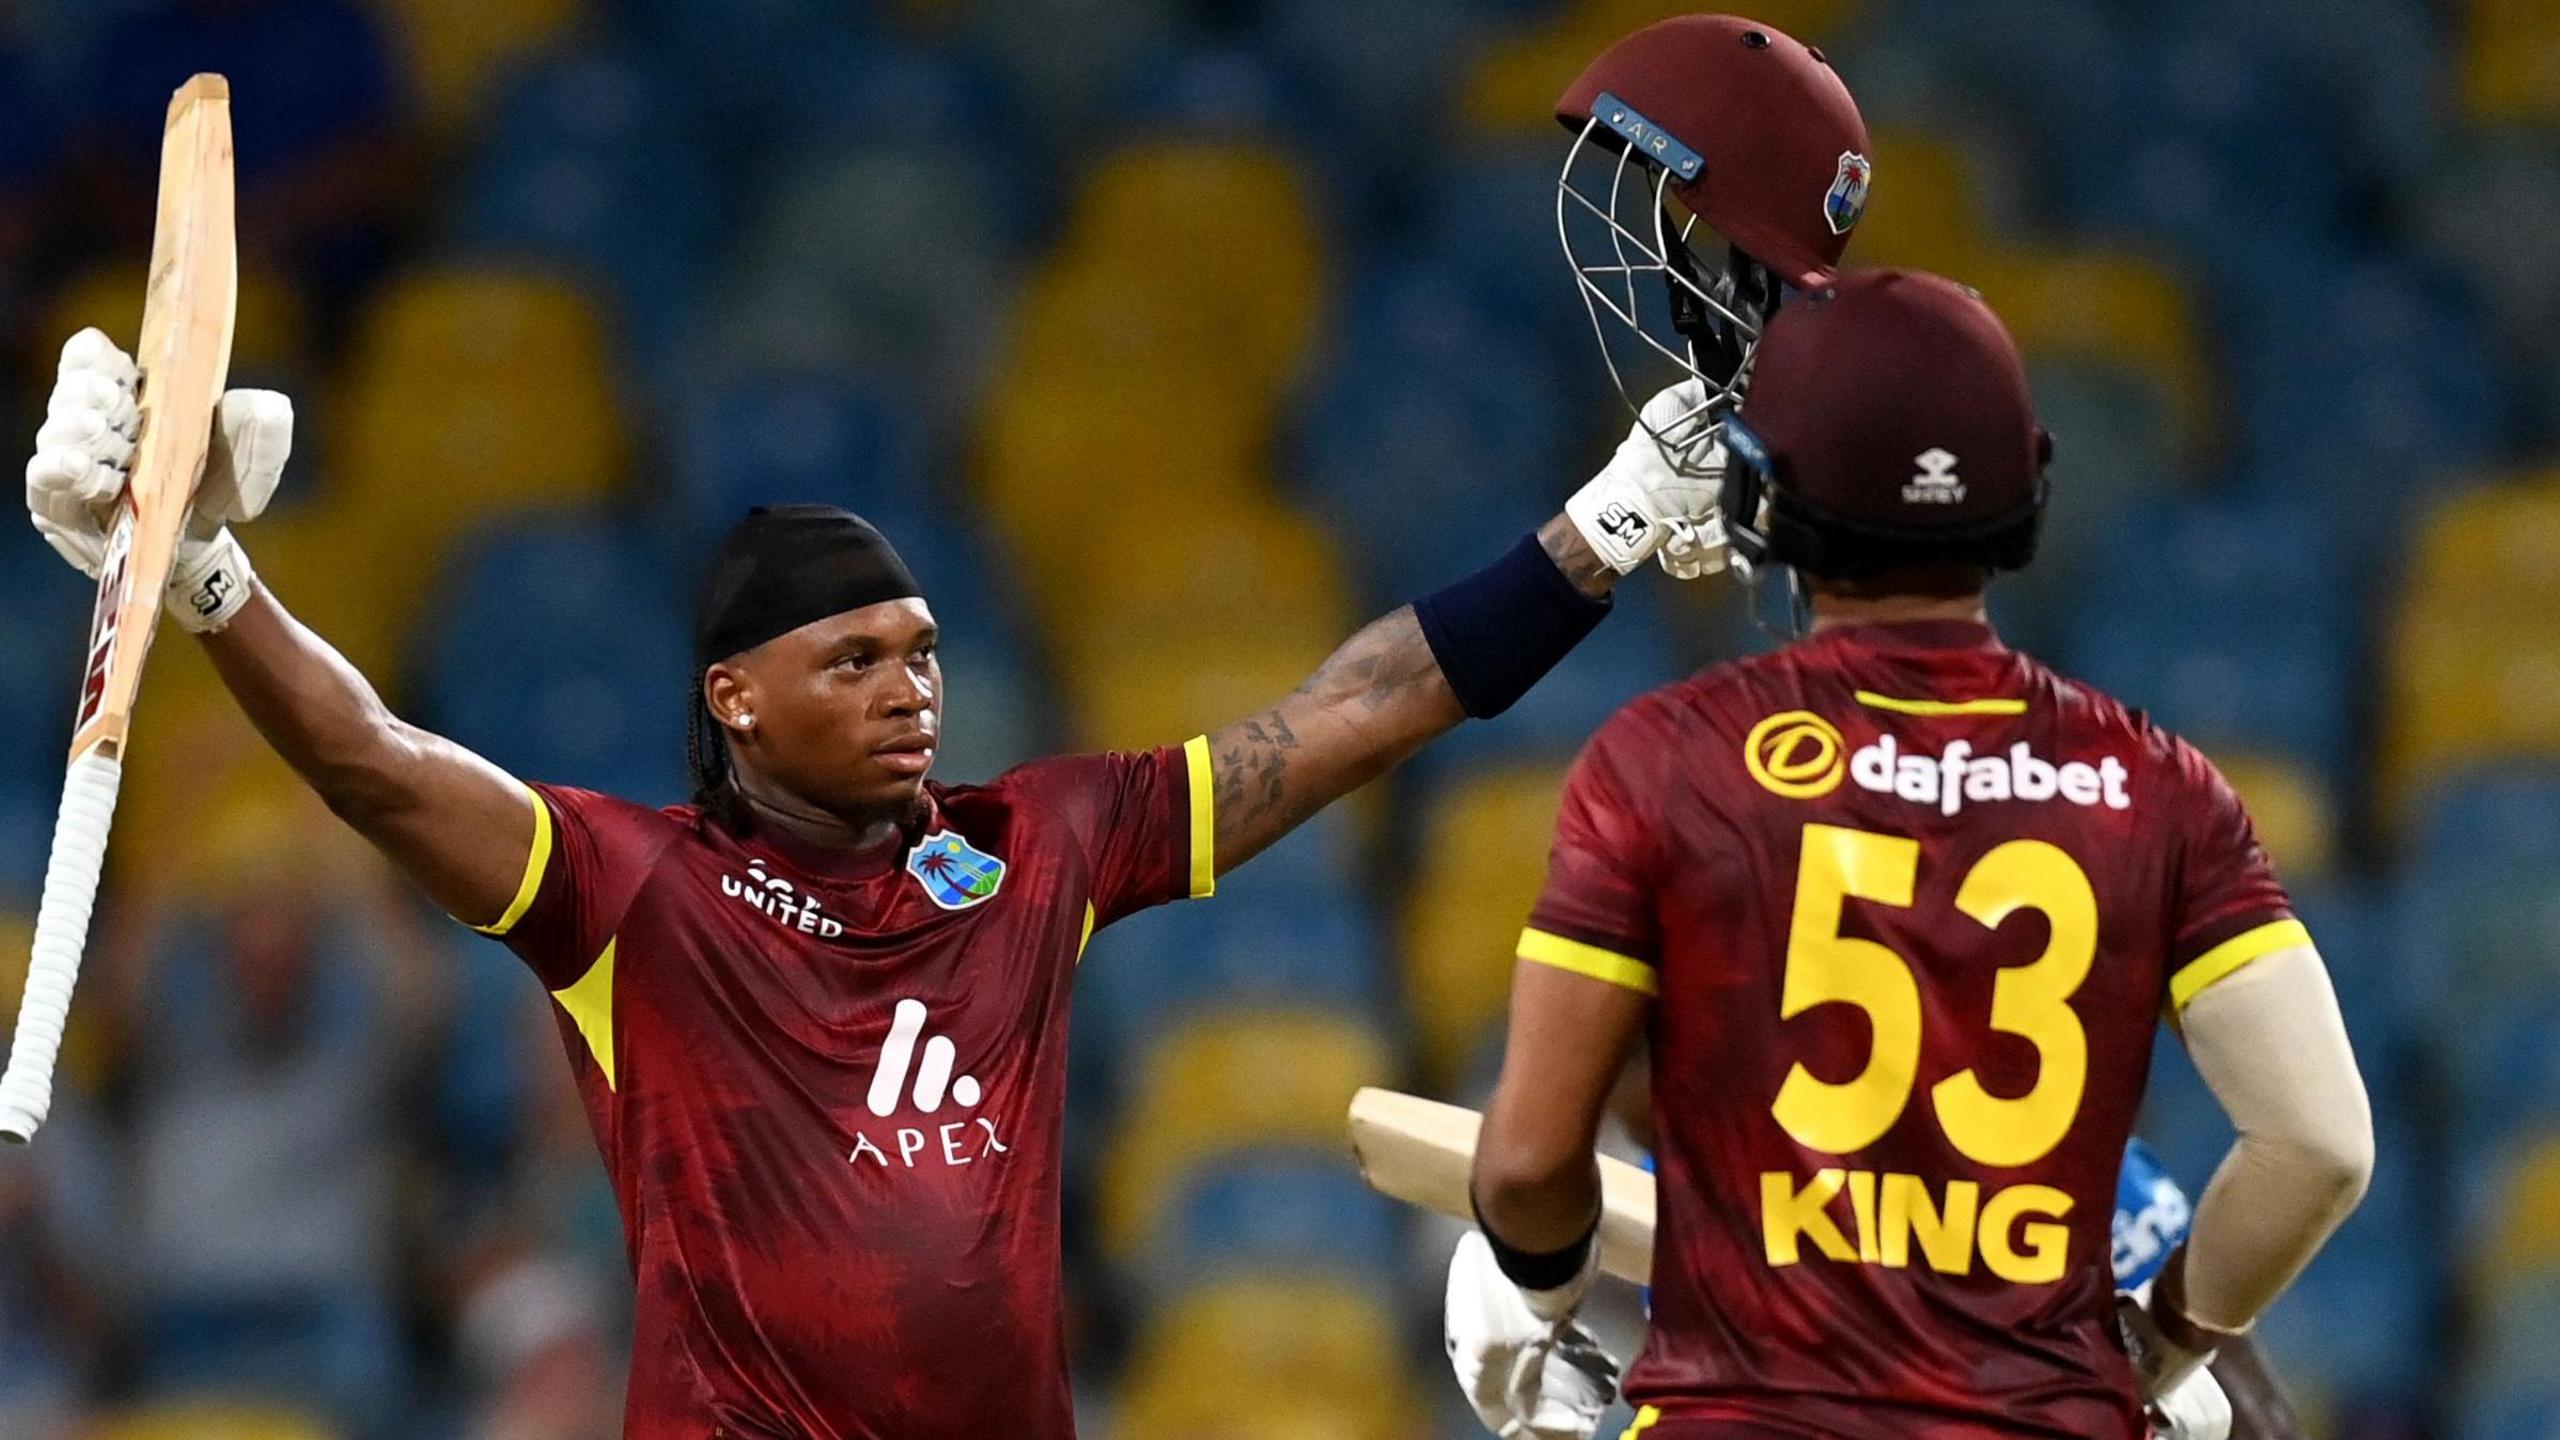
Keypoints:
pixel 2193 1409
pixel 84 460
pixel 1530 1370
pixel 1657 495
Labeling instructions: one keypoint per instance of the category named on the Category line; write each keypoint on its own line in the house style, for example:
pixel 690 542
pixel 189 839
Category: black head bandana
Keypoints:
pixel 786 565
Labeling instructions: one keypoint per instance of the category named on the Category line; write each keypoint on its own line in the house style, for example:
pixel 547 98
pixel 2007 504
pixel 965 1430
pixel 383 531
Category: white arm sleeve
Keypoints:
pixel 2269 1043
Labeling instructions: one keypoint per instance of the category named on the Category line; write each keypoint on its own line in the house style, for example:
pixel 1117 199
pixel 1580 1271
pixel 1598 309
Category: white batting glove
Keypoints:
pixel 2193 1409
pixel 1657 494
pixel 1530 1370
pixel 84 459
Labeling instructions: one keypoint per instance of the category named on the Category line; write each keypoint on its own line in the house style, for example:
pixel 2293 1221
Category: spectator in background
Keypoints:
pixel 320 120
pixel 541 1363
pixel 272 1030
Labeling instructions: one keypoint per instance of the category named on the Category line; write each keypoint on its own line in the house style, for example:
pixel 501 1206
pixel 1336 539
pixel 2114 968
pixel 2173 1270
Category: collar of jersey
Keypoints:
pixel 1916 635
pixel 823 862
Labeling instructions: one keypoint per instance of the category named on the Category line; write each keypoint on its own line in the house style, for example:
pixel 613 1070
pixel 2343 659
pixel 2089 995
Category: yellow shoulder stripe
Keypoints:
pixel 535 863
pixel 1995 706
pixel 589 1004
pixel 1545 949
pixel 1204 819
pixel 2220 961
pixel 1646 1419
pixel 1087 937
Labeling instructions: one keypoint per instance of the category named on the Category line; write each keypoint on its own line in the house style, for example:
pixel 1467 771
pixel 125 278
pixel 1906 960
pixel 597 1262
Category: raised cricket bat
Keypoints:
pixel 1421 1152
pixel 185 355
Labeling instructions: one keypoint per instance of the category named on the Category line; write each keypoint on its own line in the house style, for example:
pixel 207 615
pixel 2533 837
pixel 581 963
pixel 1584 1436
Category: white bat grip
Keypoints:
pixel 62 932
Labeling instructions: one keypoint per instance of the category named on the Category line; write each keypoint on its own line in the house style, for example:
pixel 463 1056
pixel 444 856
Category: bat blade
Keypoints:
pixel 184 357
pixel 1423 1151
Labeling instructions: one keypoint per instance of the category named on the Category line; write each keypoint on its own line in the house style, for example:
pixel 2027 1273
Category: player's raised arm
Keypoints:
pixel 1475 647
pixel 460 826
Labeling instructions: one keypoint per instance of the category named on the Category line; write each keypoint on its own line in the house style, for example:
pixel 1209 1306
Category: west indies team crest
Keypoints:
pixel 1847 199
pixel 955 874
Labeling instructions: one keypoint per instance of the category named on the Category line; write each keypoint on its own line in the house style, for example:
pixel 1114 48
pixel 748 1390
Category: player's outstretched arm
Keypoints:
pixel 1475 647
pixel 1378 699
pixel 456 823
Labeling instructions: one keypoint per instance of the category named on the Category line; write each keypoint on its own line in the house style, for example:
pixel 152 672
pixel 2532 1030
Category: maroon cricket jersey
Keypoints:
pixel 1912 905
pixel 830 1088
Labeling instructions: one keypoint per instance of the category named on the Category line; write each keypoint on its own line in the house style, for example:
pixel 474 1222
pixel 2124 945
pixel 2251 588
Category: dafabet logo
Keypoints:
pixel 1796 754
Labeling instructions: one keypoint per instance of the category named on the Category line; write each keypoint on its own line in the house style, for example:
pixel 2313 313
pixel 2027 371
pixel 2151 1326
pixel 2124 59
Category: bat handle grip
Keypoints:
pixel 62 932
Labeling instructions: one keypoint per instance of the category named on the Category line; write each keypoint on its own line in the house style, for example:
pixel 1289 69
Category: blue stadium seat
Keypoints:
pixel 2384 1269
pixel 1215 92
pixel 1489 213
pixel 1304 948
pixel 1288 1210
pixel 558 655
pixel 1631 653
pixel 2271 682
pixel 1072 60
pixel 767 438
pixel 846 87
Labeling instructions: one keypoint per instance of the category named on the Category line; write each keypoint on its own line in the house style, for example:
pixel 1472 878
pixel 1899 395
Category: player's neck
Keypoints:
pixel 1831 610
pixel 769 805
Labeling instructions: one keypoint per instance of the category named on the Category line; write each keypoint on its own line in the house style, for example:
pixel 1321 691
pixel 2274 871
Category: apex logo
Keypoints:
pixel 955 1143
pixel 1937 483
pixel 782 900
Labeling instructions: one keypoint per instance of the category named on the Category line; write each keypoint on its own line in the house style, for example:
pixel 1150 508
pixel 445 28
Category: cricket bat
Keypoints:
pixel 184 357
pixel 1421 1152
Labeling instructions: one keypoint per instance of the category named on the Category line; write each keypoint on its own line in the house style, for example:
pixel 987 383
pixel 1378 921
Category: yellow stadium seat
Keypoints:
pixel 1484 856
pixel 2510 63
pixel 2465 692
pixel 2495 549
pixel 1935 219
pixel 459 48
pixel 1224 229
pixel 208 1420
pixel 1324 1358
pixel 2297 822
pixel 1231 1082
pixel 1190 577
pixel 2523 1240
pixel 1514 87
pixel 2104 306
pixel 1165 697
pixel 473 394
pixel 270 332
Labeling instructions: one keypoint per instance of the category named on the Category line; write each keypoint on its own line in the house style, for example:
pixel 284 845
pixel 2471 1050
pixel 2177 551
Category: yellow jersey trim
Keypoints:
pixel 1204 819
pixel 1087 937
pixel 589 1004
pixel 1874 701
pixel 1542 948
pixel 534 866
pixel 1646 1419
pixel 2220 961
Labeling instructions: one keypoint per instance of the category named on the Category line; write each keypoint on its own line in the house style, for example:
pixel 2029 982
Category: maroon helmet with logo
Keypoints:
pixel 1713 121
pixel 1889 424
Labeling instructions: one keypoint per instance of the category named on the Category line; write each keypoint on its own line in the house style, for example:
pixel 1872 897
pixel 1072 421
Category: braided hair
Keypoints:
pixel 706 758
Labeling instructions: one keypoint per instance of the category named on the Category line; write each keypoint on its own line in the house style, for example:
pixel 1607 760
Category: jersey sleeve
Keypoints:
pixel 1596 915
pixel 590 854
pixel 2230 909
pixel 1147 820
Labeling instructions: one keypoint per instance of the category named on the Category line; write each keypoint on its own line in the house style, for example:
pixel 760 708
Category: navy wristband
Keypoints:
pixel 1551 1271
pixel 1499 631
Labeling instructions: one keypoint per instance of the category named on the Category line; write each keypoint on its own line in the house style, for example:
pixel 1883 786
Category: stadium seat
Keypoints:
pixel 1936 220
pixel 1480 860
pixel 1165 698
pixel 1160 581
pixel 1257 945
pixel 1298 1211
pixel 2102 305
pixel 2522 168
pixel 471 394
pixel 1071 59
pixel 271 342
pixel 2510 62
pixel 1276 1351
pixel 1514 86
pixel 2521 1240
pixel 2459 695
pixel 1227 1084
pixel 556 657
pixel 211 1419
pixel 456 48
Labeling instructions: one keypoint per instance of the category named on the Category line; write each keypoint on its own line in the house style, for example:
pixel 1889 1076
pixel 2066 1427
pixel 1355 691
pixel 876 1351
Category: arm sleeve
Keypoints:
pixel 590 854
pixel 1596 915
pixel 2231 911
pixel 1147 820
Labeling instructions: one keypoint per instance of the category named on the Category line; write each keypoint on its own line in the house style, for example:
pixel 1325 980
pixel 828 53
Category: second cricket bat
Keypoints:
pixel 184 357
pixel 1422 1152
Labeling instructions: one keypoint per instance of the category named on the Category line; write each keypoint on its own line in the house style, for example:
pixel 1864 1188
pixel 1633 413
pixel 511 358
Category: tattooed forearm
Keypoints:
pixel 1375 701
pixel 1575 557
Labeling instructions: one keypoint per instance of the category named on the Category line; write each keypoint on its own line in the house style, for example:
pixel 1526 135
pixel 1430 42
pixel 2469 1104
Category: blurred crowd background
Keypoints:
pixel 1171 338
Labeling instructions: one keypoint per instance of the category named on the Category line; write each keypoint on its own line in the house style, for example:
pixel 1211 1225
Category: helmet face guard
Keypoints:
pixel 1662 311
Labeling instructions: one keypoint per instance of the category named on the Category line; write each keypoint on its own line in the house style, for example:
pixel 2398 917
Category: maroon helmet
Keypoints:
pixel 1709 119
pixel 1889 424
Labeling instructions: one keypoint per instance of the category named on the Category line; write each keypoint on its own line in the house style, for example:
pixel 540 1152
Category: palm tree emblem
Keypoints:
pixel 954 873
